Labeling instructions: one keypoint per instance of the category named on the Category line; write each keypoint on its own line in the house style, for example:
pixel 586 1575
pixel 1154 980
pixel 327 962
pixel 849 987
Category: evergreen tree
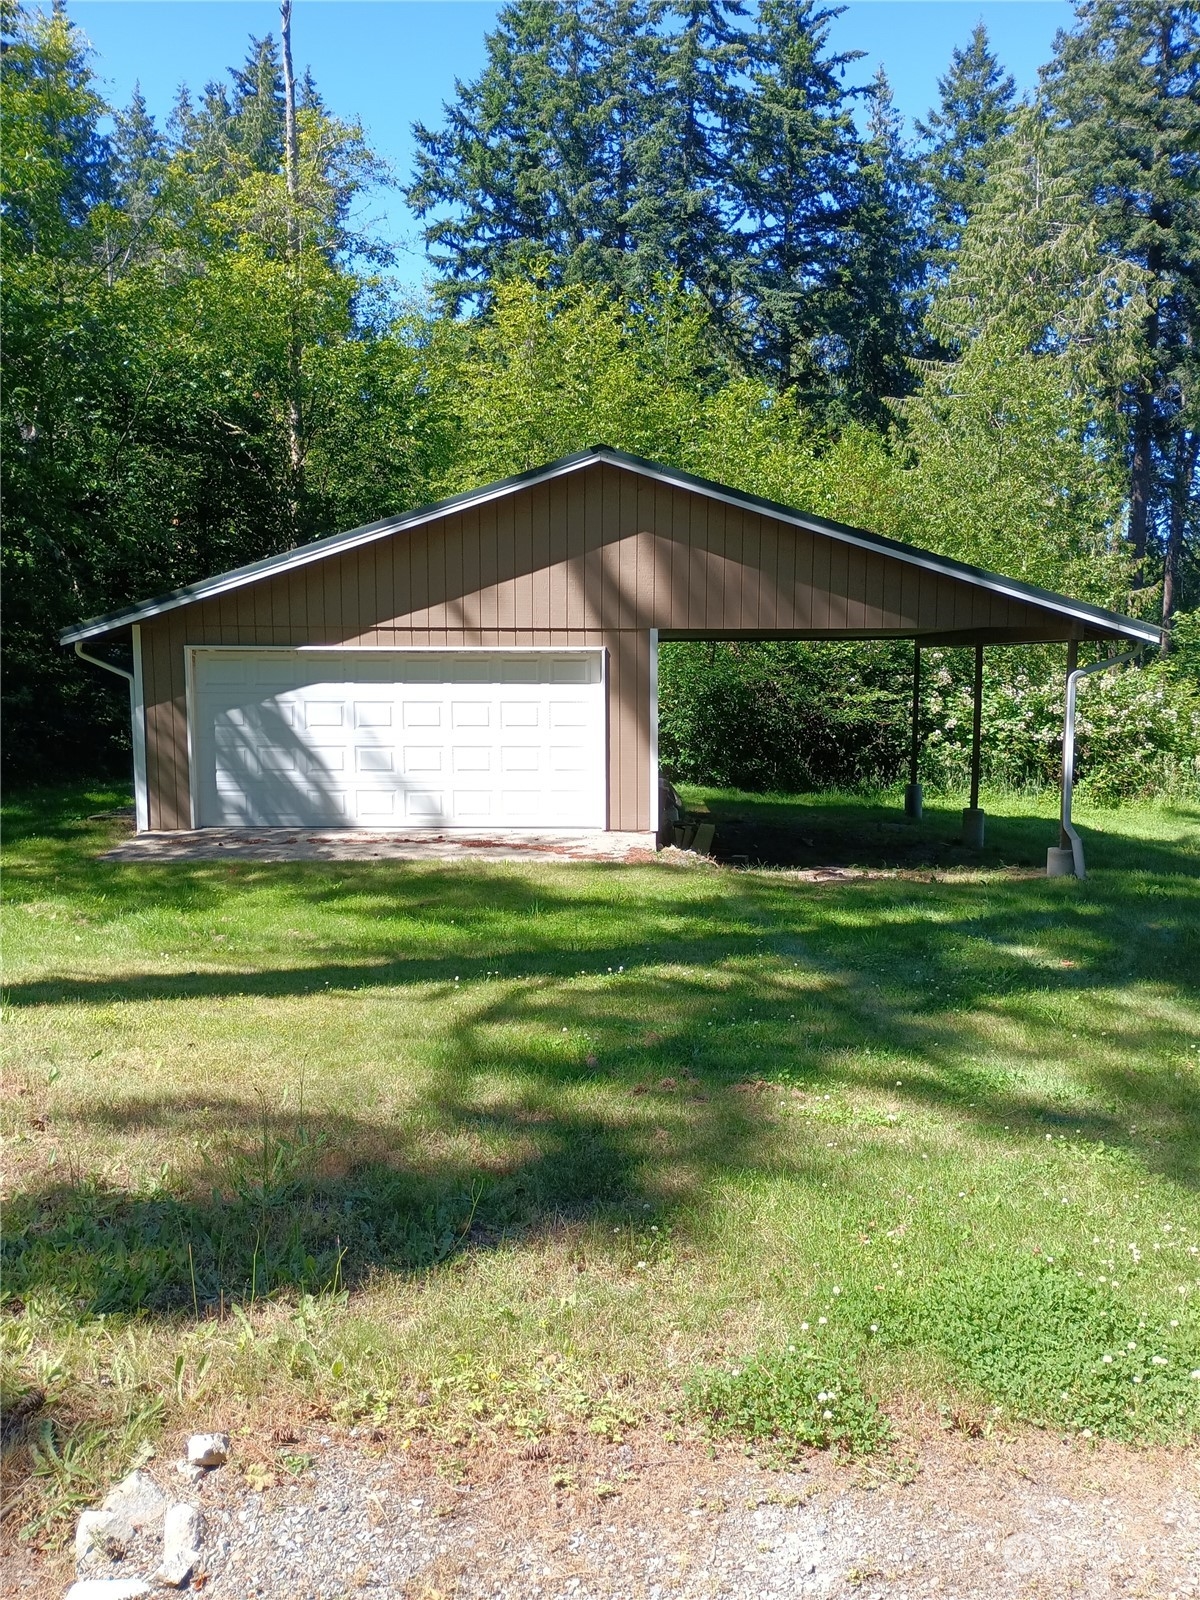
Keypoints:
pixel 977 101
pixel 679 218
pixel 140 162
pixel 594 142
pixel 518 159
pixel 55 159
pixel 1124 91
pixel 879 309
pixel 624 78
pixel 256 107
pixel 794 159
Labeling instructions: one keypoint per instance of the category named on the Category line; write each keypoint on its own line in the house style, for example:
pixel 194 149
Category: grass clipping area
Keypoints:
pixel 456 1148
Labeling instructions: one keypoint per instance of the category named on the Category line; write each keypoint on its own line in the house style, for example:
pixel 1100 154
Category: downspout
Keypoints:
pixel 109 666
pixel 1069 834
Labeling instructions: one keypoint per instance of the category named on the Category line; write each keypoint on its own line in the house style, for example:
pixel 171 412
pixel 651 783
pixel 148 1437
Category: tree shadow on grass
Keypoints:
pixel 811 831
pixel 520 1135
pixel 671 995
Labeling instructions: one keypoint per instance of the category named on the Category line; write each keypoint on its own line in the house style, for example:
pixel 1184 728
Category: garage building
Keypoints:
pixel 490 661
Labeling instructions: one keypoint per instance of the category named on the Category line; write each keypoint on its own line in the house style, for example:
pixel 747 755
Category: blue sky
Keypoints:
pixel 393 62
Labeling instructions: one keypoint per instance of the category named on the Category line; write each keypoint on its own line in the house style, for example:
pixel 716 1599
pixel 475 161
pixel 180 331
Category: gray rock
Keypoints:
pixel 93 1531
pixel 208 1449
pixel 136 1500
pixel 1022 1552
pixel 182 1529
pixel 189 1471
pixel 108 1589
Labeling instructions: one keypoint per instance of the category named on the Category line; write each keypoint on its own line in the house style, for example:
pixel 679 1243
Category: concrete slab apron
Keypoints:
pixel 358 844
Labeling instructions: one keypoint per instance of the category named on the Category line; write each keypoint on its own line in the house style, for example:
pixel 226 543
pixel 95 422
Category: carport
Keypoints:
pixel 490 662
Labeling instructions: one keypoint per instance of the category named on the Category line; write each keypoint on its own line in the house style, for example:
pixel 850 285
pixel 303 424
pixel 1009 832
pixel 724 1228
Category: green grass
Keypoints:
pixel 459 1146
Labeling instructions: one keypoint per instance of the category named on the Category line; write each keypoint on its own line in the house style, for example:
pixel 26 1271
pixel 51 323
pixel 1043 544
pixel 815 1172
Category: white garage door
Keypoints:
pixel 399 739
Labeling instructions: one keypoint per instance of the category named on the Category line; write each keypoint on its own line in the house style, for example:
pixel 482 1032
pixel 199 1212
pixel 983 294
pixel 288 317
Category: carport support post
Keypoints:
pixel 1068 775
pixel 913 798
pixel 973 818
pixel 1060 859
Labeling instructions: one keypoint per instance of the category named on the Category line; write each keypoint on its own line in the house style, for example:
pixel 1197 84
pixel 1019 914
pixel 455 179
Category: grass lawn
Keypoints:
pixel 462 1147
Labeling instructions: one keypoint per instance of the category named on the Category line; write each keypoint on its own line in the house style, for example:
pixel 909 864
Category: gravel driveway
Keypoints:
pixel 585 1520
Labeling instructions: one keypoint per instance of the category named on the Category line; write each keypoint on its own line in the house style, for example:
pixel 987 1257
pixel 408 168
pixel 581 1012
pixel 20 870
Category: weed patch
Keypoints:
pixel 1047 1346
pixel 789 1400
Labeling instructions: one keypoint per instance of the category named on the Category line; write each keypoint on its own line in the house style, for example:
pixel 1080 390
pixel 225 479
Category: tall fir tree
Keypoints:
pixel 1124 92
pixel 975 111
pixel 625 75
pixel 257 107
pixel 55 157
pixel 793 159
pixel 515 173
pixel 594 142
pixel 880 308
pixel 140 167
pixel 680 214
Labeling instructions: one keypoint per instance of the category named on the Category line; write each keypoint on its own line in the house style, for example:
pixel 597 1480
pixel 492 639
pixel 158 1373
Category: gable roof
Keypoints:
pixel 1113 624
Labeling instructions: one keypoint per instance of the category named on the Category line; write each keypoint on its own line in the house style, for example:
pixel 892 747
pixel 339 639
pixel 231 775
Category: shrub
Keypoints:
pixel 783 715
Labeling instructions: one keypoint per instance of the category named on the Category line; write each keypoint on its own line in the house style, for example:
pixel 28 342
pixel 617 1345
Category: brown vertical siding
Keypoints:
pixel 597 557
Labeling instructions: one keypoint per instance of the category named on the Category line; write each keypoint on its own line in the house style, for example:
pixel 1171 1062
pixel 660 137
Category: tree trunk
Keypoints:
pixel 1141 476
pixel 291 167
pixel 1141 463
pixel 1187 449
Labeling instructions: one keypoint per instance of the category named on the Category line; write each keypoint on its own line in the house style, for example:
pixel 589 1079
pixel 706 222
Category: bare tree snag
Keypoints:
pixel 291 168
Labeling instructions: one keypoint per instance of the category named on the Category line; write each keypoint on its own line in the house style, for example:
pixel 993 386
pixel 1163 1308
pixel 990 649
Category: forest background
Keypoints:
pixel 686 228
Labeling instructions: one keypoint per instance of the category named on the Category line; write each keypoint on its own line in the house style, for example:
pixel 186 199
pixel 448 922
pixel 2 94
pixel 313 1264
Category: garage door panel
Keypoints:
pixel 520 671
pixel 278 760
pixel 470 714
pixel 471 805
pixel 424 805
pixel 373 713
pixel 316 760
pixel 470 758
pixel 375 805
pixel 569 714
pixel 418 669
pixel 467 669
pixel 520 758
pixel 372 758
pixel 301 738
pixel 230 670
pixel 569 671
pixel 519 714
pixel 271 675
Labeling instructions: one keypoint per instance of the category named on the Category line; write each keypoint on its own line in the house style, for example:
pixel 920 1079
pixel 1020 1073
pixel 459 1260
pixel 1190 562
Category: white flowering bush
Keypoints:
pixel 1137 729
